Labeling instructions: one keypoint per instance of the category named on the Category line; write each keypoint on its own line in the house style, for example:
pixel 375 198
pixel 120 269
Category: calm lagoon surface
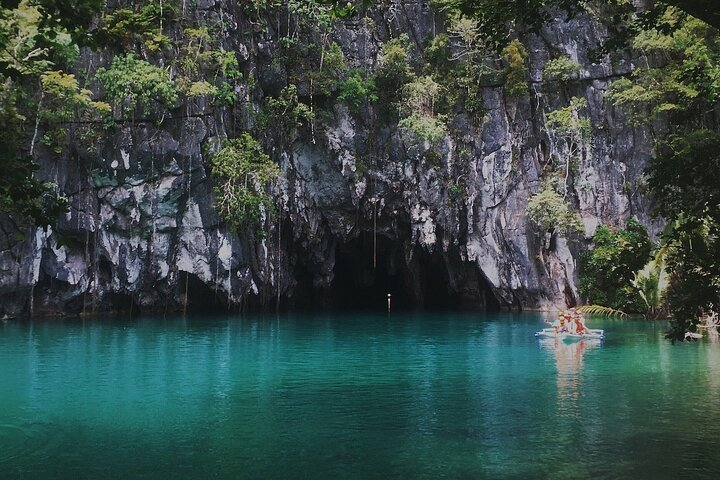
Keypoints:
pixel 354 396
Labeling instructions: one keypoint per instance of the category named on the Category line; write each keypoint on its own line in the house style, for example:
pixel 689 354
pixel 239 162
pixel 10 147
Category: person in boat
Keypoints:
pixel 559 324
pixel 579 327
pixel 579 322
pixel 570 323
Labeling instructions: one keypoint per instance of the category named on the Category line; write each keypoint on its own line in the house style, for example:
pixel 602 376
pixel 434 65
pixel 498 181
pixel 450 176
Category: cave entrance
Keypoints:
pixel 423 283
pixel 198 296
pixel 363 276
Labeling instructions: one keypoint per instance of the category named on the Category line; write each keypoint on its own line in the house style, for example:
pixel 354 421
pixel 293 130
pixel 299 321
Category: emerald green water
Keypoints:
pixel 355 396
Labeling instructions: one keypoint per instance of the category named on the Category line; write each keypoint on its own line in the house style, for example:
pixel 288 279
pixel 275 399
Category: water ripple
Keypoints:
pixel 417 396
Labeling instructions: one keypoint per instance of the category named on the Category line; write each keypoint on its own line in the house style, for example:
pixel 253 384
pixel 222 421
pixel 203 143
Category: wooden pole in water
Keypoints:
pixel 277 264
pixel 185 300
pixel 374 234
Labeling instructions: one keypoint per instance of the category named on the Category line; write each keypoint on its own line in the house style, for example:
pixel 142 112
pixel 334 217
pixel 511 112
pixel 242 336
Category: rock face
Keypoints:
pixel 361 212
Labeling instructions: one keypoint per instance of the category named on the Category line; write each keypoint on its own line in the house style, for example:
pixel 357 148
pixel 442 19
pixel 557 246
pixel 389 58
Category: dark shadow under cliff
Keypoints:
pixel 368 268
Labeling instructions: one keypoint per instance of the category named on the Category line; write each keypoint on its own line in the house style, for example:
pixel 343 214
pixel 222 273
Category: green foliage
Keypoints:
pixel 28 199
pixel 515 55
pixel 27 48
pixel 310 14
pixel 456 190
pixel 342 9
pixel 125 26
pixel 135 82
pixel 694 288
pixel 681 83
pixel 419 118
pixel 493 18
pixel 205 68
pixel 357 89
pixel 64 96
pixel 687 83
pixel 467 42
pixel 255 9
pixel 242 173
pixel 438 54
pixel 652 282
pixel 424 128
pixel 684 177
pixel 551 214
pixel 22 196
pixel 561 70
pixel 460 74
pixel 608 271
pixel 394 71
pixel 73 17
pixel 466 91
pixel 202 88
pixel 325 81
pixel 649 93
pixel 568 123
pixel 421 95
pixel 284 113
pixel 568 130
pixel 601 310
pixel 62 101
pixel 36 42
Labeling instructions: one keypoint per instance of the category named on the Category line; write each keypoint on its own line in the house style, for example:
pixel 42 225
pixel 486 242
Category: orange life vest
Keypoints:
pixel 580 328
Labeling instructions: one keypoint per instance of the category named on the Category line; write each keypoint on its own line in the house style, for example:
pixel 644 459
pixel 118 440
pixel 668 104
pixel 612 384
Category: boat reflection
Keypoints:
pixel 568 355
pixel 569 363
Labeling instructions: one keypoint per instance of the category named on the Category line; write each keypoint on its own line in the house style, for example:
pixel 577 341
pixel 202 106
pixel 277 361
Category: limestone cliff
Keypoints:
pixel 361 211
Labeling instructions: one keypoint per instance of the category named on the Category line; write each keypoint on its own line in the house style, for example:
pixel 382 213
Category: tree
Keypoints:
pixel 551 214
pixel 684 90
pixel 608 271
pixel 492 18
pixel 684 177
pixel 561 70
pixel 569 130
pixel 36 37
pixel 394 70
pixel 705 10
pixel 515 56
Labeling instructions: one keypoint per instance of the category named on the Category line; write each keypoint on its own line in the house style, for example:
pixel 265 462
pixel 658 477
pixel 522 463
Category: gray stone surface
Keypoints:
pixel 142 233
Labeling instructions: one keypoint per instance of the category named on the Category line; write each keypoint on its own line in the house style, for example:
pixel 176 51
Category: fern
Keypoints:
pixel 601 310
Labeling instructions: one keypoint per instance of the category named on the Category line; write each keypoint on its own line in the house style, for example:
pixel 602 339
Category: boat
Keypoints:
pixel 593 334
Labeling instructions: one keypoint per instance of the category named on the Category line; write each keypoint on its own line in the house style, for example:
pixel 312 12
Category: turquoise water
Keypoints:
pixel 355 396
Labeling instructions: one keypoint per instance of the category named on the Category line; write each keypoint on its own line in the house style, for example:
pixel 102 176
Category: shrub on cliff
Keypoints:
pixel 394 71
pixel 357 89
pixel 138 84
pixel 551 214
pixel 515 55
pixel 561 70
pixel 242 173
pixel 418 110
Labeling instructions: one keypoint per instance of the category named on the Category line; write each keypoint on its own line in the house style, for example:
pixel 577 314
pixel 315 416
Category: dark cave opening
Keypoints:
pixel 365 275
pixel 198 296
pixel 366 272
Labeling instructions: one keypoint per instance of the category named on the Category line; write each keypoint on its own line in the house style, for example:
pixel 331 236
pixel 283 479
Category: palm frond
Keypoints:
pixel 601 310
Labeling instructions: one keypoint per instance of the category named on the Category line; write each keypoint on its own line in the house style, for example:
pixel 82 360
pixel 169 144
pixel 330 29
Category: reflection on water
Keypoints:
pixel 569 363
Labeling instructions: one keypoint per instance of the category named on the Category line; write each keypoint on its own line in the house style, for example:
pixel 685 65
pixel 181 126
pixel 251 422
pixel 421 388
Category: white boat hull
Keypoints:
pixel 593 334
